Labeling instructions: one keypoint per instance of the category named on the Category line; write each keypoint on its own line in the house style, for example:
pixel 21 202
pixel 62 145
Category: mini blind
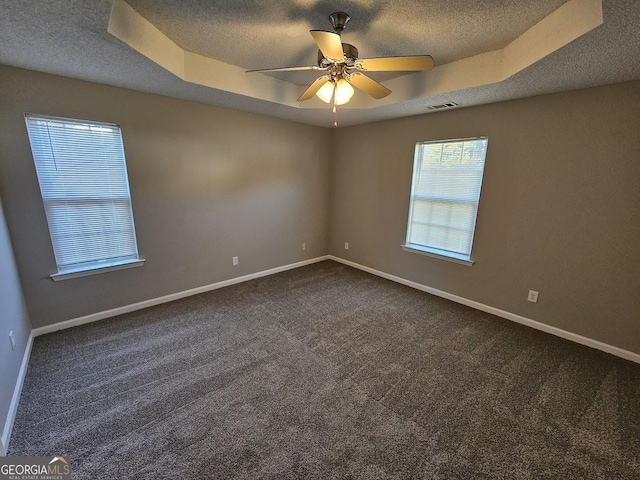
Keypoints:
pixel 82 173
pixel 447 177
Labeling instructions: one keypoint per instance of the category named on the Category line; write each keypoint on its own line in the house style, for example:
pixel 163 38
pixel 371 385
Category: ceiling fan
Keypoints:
pixel 344 70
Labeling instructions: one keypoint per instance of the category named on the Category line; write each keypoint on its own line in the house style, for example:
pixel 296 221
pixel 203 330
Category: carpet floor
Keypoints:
pixel 326 372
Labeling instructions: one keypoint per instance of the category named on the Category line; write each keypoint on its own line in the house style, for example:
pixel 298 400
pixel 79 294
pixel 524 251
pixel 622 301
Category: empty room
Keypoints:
pixel 320 239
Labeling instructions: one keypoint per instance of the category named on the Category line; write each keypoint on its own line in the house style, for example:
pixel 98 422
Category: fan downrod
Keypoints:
pixel 338 21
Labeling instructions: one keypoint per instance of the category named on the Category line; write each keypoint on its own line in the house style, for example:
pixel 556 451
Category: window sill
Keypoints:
pixel 441 254
pixel 86 271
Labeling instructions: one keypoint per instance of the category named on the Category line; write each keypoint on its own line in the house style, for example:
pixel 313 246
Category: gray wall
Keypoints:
pixel 13 316
pixel 207 183
pixel 559 210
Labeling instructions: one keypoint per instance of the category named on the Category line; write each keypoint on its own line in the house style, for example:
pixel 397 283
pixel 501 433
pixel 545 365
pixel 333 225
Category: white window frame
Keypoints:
pixel 430 251
pixel 103 260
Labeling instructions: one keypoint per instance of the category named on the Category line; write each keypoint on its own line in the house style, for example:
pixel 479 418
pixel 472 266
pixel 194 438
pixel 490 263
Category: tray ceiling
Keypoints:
pixel 485 51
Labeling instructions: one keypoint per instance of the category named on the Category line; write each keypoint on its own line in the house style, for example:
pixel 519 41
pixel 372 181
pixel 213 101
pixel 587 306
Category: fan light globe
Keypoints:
pixel 326 91
pixel 345 70
pixel 344 92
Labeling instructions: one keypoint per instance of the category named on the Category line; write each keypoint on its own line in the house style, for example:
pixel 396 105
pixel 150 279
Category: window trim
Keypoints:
pixel 95 269
pixel 447 255
pixel 96 266
pixel 437 253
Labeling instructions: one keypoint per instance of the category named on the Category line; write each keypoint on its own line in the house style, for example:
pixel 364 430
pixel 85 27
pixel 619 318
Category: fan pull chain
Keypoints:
pixel 335 112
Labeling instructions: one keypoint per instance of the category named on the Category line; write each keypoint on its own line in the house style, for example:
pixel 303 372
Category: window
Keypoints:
pixel 447 176
pixel 83 180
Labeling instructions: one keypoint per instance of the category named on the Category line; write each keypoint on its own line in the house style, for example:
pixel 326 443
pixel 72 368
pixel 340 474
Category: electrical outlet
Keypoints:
pixel 533 296
pixel 12 339
pixel 346 245
pixel 235 260
pixel 304 246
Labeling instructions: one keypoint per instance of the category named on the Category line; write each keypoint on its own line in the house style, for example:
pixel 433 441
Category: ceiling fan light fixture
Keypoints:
pixel 325 93
pixel 344 70
pixel 344 92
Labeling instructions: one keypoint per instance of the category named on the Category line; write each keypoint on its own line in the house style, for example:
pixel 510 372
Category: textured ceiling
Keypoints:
pixel 69 37
pixel 267 34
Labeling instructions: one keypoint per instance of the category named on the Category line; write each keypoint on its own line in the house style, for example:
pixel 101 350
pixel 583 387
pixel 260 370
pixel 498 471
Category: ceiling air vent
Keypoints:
pixel 442 106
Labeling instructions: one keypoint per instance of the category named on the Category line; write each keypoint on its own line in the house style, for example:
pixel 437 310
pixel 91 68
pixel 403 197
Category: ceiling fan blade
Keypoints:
pixel 315 86
pixel 368 85
pixel 395 64
pixel 286 69
pixel 329 44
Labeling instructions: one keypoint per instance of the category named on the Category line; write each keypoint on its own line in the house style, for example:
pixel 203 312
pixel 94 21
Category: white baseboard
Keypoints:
pixel 94 317
pixel 574 337
pixel 17 390
pixel 8 426
pixel 6 434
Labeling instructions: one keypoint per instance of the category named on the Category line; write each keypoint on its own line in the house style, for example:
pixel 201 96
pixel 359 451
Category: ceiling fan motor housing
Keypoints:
pixel 350 54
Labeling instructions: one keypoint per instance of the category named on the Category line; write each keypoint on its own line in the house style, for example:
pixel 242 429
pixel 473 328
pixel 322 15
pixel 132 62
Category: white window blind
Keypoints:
pixel 447 177
pixel 83 180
